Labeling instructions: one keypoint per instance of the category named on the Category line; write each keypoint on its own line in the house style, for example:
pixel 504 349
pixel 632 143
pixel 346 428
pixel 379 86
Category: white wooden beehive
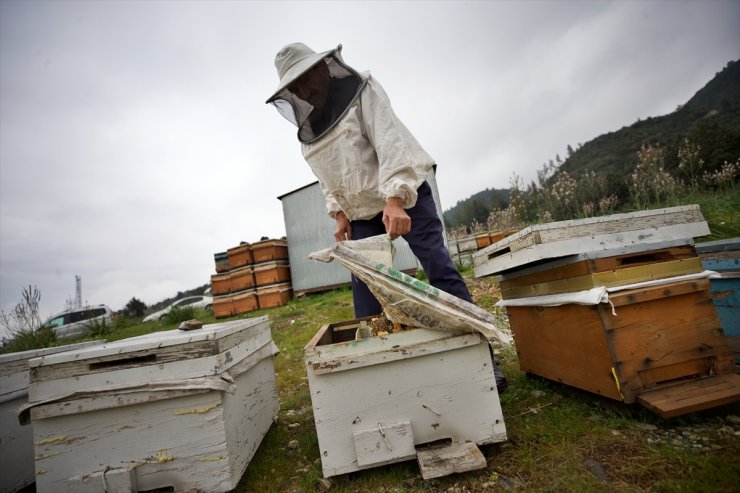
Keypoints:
pixel 177 410
pixel 378 400
pixel 16 441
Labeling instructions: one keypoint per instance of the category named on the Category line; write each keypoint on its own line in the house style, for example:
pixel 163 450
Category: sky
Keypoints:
pixel 135 141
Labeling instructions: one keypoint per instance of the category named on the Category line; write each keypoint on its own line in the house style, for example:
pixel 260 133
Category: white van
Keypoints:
pixel 74 323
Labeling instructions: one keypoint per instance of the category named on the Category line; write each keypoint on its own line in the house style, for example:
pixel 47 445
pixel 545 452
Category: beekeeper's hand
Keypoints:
pixel 343 231
pixel 397 222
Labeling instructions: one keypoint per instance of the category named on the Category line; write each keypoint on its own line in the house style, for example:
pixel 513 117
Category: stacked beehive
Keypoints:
pixel 251 276
pixel 462 249
pixel 619 306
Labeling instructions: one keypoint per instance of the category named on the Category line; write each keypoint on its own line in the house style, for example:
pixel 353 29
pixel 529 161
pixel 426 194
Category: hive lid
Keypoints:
pixel 562 238
pixel 155 340
pixel 35 353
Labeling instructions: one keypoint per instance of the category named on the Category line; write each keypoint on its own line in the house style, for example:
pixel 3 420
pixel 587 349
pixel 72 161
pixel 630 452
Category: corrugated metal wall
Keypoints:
pixel 309 228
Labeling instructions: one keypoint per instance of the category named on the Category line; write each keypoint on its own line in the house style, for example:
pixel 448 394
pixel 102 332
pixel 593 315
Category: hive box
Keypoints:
pixel 274 272
pixel 240 256
pixel 264 251
pixel 16 441
pixel 172 410
pixel 723 256
pixel 274 295
pixel 378 400
pixel 660 345
pixel 223 306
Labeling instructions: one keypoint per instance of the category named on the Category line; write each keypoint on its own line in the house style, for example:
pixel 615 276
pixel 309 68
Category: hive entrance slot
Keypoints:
pixel 135 360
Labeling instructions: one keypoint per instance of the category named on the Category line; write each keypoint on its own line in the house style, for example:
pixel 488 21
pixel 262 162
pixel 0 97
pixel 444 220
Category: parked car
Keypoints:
pixel 74 323
pixel 194 301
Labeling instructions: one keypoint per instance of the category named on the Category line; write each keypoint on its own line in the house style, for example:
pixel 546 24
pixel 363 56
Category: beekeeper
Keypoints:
pixel 370 168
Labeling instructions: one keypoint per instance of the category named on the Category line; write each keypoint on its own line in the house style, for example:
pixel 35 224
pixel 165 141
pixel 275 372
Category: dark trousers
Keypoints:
pixel 427 243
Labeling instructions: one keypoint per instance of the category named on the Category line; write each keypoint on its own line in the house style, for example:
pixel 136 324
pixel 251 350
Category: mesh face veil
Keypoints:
pixel 317 98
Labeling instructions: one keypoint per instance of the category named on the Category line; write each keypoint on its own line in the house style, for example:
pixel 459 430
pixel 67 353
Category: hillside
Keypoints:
pixel 710 119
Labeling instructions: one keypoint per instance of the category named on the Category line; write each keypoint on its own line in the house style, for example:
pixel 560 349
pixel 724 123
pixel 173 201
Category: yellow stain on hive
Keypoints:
pixel 198 410
pixel 46 456
pixel 50 440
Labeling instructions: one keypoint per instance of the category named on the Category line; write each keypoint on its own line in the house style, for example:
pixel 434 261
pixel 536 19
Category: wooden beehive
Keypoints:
pixel 223 306
pixel 274 272
pixel 267 250
pixel 661 345
pixel 274 295
pixel 170 411
pixel 240 256
pixel 222 261
pixel 16 441
pixel 220 284
pixel 242 278
pixel 245 301
pixel 723 257
pixel 377 400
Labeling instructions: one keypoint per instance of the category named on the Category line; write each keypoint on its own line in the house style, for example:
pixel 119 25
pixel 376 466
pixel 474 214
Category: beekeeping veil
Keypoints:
pixel 343 85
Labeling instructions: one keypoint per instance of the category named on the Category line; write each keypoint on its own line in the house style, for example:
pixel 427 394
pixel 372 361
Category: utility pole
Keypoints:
pixel 78 292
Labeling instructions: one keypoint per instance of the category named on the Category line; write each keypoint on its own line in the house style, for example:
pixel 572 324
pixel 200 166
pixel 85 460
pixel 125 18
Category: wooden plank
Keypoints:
pixel 565 344
pixel 384 443
pixel 696 395
pixel 487 262
pixel 454 458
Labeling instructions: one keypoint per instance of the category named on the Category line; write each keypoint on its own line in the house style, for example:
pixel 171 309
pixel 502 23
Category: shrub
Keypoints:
pixel 177 315
pixel 25 339
pixel 98 328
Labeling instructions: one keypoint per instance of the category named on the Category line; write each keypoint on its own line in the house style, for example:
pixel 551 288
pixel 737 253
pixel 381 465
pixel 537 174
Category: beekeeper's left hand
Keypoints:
pixel 397 222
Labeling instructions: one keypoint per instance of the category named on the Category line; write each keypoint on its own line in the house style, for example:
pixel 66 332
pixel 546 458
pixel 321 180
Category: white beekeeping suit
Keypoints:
pixel 359 150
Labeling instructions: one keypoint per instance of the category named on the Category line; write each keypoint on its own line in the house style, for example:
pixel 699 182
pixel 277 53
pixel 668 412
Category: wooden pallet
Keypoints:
pixel 558 239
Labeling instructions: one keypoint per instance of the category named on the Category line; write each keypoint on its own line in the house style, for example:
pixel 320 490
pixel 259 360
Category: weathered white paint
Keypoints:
pixel 213 364
pixel 16 441
pixel 447 394
pixel 185 439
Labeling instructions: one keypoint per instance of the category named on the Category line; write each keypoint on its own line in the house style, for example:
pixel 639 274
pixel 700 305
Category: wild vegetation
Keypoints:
pixel 668 160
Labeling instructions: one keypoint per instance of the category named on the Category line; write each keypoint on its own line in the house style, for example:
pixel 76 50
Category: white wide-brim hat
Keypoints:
pixel 294 60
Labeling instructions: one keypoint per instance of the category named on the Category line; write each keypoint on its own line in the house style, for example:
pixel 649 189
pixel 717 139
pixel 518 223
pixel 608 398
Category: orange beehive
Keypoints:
pixel 274 272
pixel 245 301
pixel 267 250
pixel 220 284
pixel 223 306
pixel 241 279
pixel 274 295
pixel 240 256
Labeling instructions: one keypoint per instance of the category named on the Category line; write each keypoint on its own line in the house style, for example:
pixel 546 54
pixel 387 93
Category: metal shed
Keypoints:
pixel 309 228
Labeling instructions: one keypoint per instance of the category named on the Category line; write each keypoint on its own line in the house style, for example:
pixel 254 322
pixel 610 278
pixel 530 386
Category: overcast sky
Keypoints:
pixel 135 142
